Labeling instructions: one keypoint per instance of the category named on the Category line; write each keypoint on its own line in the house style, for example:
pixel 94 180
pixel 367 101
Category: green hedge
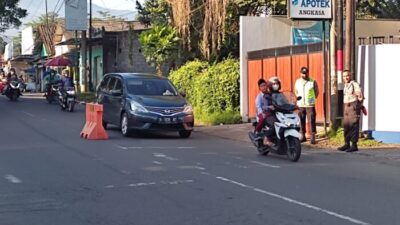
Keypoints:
pixel 213 90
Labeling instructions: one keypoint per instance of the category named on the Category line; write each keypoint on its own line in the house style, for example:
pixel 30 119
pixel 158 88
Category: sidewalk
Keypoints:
pixel 239 132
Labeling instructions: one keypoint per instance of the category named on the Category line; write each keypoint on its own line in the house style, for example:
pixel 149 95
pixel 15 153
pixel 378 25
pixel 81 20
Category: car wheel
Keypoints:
pixel 185 133
pixel 125 125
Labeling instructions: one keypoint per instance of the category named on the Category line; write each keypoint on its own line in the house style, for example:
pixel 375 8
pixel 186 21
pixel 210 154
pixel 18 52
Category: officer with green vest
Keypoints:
pixel 307 88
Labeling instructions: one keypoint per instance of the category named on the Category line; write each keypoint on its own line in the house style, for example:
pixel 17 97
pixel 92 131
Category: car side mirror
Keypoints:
pixel 183 94
pixel 116 92
pixel 299 98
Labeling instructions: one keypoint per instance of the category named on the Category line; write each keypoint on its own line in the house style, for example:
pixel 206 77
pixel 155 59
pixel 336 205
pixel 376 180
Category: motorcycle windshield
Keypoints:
pixel 284 101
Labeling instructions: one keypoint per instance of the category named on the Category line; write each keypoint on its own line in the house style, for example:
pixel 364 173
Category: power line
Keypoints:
pixel 54 10
pixel 62 3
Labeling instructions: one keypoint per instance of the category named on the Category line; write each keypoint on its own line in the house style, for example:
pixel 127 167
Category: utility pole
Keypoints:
pixel 349 35
pixel 84 83
pixel 90 47
pixel 47 16
pixel 339 57
pixel 333 75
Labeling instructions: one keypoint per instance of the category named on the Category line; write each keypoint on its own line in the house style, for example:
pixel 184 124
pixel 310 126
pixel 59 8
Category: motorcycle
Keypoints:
pixel 286 138
pixel 52 92
pixel 13 91
pixel 67 98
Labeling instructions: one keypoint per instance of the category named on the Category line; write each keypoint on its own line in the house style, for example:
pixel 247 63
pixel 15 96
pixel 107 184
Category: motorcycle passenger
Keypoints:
pixel 262 106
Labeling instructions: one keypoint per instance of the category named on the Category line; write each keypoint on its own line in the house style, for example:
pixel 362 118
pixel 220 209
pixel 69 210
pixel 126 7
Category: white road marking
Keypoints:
pixel 157 162
pixel 12 179
pixel 152 147
pixel 185 147
pixel 144 184
pixel 121 147
pixel 161 155
pixel 293 201
pixel 192 167
pixel 141 184
pixel 265 164
pixel 29 114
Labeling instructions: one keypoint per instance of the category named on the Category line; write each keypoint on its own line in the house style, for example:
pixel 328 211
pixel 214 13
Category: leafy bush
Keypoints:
pixel 184 77
pixel 217 89
pixel 212 90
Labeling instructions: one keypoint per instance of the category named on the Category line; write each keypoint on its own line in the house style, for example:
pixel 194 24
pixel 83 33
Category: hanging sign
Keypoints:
pixel 310 9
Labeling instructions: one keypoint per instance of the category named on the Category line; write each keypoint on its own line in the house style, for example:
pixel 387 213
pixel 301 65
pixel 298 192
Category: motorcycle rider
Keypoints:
pixel 11 76
pixel 66 81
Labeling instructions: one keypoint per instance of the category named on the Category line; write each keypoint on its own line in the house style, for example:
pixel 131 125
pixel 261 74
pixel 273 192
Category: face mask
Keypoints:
pixel 275 87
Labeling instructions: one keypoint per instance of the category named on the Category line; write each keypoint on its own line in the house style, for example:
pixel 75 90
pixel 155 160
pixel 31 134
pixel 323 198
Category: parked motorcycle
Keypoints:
pixel 67 98
pixel 13 91
pixel 286 138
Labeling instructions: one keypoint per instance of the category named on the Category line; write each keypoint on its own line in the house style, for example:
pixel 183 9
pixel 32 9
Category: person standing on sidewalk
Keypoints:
pixel 352 101
pixel 307 88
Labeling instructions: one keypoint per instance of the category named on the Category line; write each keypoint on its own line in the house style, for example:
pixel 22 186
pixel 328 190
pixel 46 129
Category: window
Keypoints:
pixel 111 84
pixel 155 87
pixel 118 85
pixel 104 83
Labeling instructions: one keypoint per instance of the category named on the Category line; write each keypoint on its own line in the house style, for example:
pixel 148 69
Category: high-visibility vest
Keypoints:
pixel 306 89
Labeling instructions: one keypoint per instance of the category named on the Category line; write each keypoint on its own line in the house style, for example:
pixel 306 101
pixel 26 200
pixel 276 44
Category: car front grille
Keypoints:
pixel 165 111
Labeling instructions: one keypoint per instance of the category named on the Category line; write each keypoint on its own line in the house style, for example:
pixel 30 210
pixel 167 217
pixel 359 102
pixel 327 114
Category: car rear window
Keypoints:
pixel 155 87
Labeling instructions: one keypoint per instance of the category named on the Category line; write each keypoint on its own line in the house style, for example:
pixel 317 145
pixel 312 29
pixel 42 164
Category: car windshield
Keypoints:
pixel 155 87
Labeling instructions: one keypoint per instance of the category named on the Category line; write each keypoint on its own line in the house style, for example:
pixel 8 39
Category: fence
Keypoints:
pixel 286 63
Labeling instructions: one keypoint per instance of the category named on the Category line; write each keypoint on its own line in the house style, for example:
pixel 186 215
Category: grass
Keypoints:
pixel 217 118
pixel 86 97
pixel 336 139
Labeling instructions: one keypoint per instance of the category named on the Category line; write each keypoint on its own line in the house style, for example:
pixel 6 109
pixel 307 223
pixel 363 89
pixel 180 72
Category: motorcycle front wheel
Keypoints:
pixel 293 148
pixel 71 106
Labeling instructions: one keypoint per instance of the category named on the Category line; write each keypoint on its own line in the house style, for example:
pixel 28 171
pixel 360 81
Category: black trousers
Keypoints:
pixel 351 121
pixel 310 114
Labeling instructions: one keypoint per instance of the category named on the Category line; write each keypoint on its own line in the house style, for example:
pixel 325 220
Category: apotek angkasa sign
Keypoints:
pixel 310 9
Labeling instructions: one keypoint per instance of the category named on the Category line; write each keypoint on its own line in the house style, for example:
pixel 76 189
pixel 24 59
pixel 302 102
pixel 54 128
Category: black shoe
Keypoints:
pixel 353 148
pixel 344 147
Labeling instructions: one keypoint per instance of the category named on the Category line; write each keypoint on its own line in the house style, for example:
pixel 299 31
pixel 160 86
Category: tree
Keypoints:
pixel 51 18
pixel 159 45
pixel 258 7
pixel 390 9
pixel 153 12
pixel 2 45
pixel 10 14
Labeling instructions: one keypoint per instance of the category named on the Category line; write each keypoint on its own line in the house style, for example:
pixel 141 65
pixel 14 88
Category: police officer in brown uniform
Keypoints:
pixel 352 110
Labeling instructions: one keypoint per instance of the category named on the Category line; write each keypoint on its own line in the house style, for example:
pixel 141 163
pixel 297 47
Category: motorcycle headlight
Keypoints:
pixel 71 92
pixel 138 107
pixel 188 109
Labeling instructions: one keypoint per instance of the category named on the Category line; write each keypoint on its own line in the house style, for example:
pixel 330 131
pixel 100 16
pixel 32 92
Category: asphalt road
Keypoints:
pixel 48 176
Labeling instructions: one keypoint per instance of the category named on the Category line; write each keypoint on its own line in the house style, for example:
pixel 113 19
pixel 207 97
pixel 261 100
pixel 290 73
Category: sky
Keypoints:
pixel 38 7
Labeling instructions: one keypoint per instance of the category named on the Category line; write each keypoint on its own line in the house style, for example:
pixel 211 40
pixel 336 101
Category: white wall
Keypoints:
pixel 379 75
pixel 62 48
pixel 387 87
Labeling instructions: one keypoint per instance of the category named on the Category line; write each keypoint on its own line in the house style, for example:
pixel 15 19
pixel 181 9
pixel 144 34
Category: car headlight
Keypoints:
pixel 72 92
pixel 138 107
pixel 188 109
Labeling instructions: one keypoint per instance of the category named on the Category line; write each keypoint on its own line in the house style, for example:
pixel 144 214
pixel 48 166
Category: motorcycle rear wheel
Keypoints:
pixel 293 148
